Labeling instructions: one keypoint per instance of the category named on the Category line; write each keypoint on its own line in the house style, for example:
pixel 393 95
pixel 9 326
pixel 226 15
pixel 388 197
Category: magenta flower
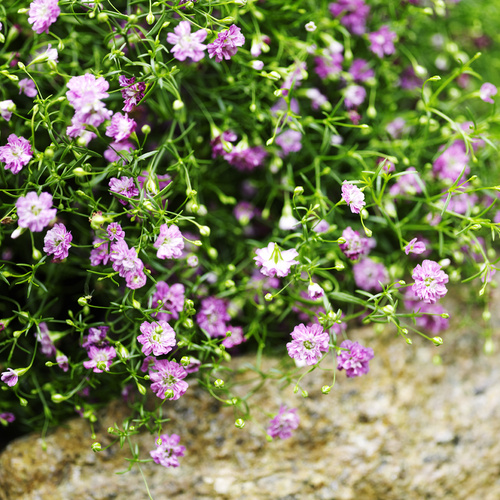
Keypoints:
pixel 28 87
pixel 407 184
pixel 57 242
pixel 308 343
pixel 274 261
pixel 7 107
pixel 283 423
pixel 100 358
pixel 121 127
pixel 244 158
pixel 124 186
pixel 353 196
pixel 289 141
pixel 355 245
pixel 382 41
pixel 429 316
pixel 96 337
pixel 42 14
pixel 415 246
pixel 361 71
pixel 125 259
pixel 135 279
pixel 10 377
pixel 169 242
pixel 236 338
pixel 157 338
pixel 430 281
pixel 168 450
pixel 168 298
pixel 43 336
pixel 115 232
pixel 133 92
pixel 226 44
pixel 100 253
pixel 35 212
pixel 317 98
pixel 16 154
pixel 7 418
pixel 62 362
pixel 314 291
pixel 116 150
pixel 354 96
pixel 330 62
pixel 486 91
pixel 370 275
pixel 212 316
pixel 354 14
pixel 167 376
pixel 452 162
pixel 354 358
pixel 187 44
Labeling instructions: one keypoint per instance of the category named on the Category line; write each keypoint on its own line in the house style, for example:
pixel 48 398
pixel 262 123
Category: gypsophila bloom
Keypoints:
pixel 28 87
pixel 157 338
pixel 310 26
pixel 169 242
pixel 168 450
pixel 57 242
pixel 7 418
pixel 125 259
pixel 355 245
pixel 115 232
pixel 168 298
pixel 486 91
pixel 452 162
pixel 283 423
pixel 16 154
pixel 361 71
pixel 121 127
pixel 168 376
pixel 62 362
pixel 429 317
pixel 7 107
pixel 212 316
pixel 274 261
pixel 100 358
pixel 42 14
pixel 317 98
pixel 96 337
pixel 430 281
pixel 370 275
pixel 407 184
pixel 353 196
pixel 314 291
pixel 244 158
pixel 354 95
pixel 289 141
pixel 187 44
pixel 415 246
pixel 382 41
pixel 354 358
pixel 308 343
pixel 132 93
pixel 354 14
pixel 257 65
pixel 35 212
pixel 124 186
pixel 43 336
pixel 226 44
pixel 10 377
pixel 236 337
pixel 100 253
pixel 116 151
pixel 329 64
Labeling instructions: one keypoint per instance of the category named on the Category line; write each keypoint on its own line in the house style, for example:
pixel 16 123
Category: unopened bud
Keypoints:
pixel 298 191
pixel 177 105
pixel 408 341
pixel 150 18
pixel 437 341
pixel 326 389
pixel 205 231
pixel 219 383
pixel 240 423
pixel 169 394
pixel 96 447
pixel 268 297
pixel 57 398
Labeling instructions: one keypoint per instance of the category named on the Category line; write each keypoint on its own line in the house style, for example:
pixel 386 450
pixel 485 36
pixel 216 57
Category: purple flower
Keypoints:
pixel 486 91
pixel 187 44
pixel 166 376
pixel 244 212
pixel 429 316
pixel 236 337
pixel 168 450
pixel 115 232
pixel 133 92
pixel 354 358
pixel 43 336
pixel 296 73
pixel 116 150
pixel 283 423
pixel 100 253
pixel 244 158
pixel 16 154
pixel 125 259
pixel 289 141
pixel 135 279
pixel 62 362
pixel 382 41
pixel 27 85
pixel 7 418
pixel 157 338
pixel 415 246
pixel 451 163
pixel 226 44
pixel 353 196
pixel 212 316
pixel 121 127
pixel 330 62
pixel 354 14
pixel 354 96
pixel 274 261
pixel 317 98
pixel 314 291
pixel 96 337
pixel 355 245
pixel 100 358
pixel 7 107
pixel 406 184
pixel 35 212
pixel 370 275
pixel 430 281
pixel 169 242
pixel 124 186
pixel 308 343
pixel 42 14
pixel 57 242
pixel 361 71
pixel 409 80
pixel 10 377
pixel 396 127
pixel 170 298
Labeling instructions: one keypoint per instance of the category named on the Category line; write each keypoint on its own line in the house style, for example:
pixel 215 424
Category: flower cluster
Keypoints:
pixel 275 262
pixel 16 154
pixel 168 450
pixel 284 423
pixel 354 358
pixel 430 281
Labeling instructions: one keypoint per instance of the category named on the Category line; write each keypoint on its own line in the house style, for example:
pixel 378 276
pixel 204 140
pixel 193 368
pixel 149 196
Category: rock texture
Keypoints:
pixel 417 426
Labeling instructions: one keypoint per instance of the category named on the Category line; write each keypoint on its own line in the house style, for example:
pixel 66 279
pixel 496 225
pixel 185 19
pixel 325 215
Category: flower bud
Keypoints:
pixel 177 105
pixel 298 191
pixel 219 383
pixel 150 18
pixel 57 398
pixel 205 231
pixel 268 297
pixel 437 341
pixel 408 341
pixel 240 423
pixel 169 394
pixel 326 389
pixel 96 447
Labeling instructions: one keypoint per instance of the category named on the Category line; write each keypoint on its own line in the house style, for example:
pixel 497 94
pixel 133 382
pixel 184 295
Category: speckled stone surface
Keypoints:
pixel 410 429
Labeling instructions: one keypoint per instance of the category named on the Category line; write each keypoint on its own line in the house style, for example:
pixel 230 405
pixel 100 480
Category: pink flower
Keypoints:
pixel 100 253
pixel 96 337
pixel 125 259
pixel 486 91
pixel 35 212
pixel 10 377
pixel 121 127
pixel 354 358
pixel 62 362
pixel 330 62
pixel 212 316
pixel 27 85
pixel 116 151
pixel 167 379
pixel 157 338
pixel 361 71
pixel 16 154
pixel 236 337
pixel 353 196
pixel 7 418
pixel 168 298
pixel 355 245
pixel 187 44
pixel 289 141
pixel 42 14
pixel 314 291
pixel 133 92
pixel 57 242
pixel 124 186
pixel 308 343
pixel 370 275
pixel 452 162
pixel 100 358
pixel 274 261
pixel 115 232
pixel 354 96
pixel 283 423
pixel 354 14
pixel 406 184
pixel 169 242
pixel 168 450
pixel 135 279
pixel 7 107
pixel 382 41
pixel 226 44
pixel 43 336
pixel 430 281
pixel 415 246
